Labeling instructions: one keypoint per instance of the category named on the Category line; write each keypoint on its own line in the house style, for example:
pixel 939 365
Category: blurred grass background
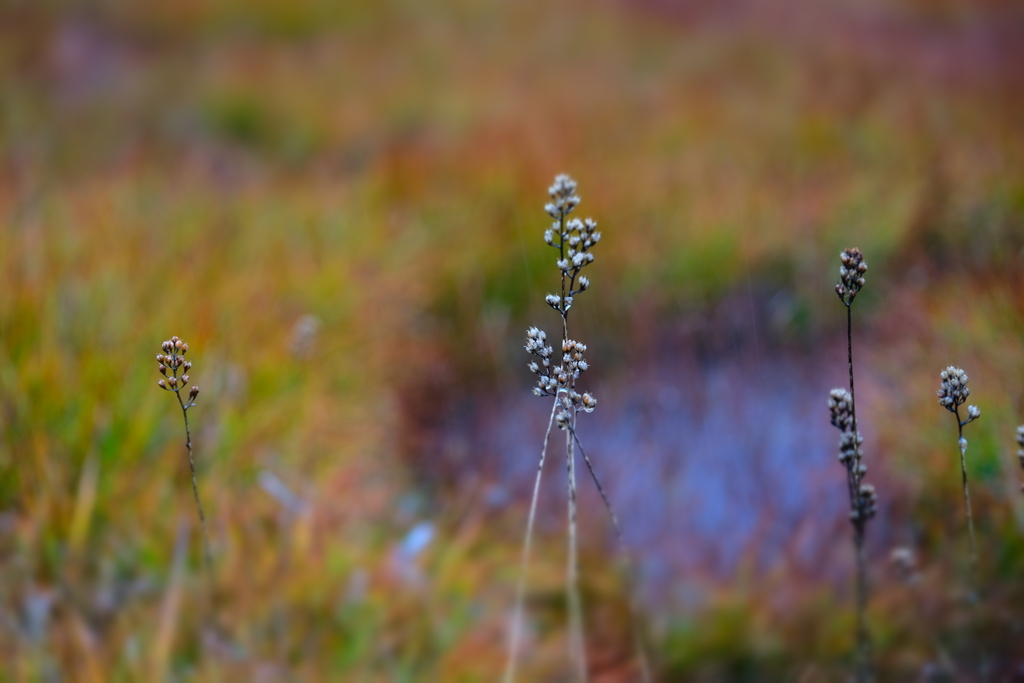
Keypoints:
pixel 339 207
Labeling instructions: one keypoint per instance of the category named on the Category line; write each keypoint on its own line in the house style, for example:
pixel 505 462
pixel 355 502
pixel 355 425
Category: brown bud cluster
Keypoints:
pixel 840 405
pixel 863 499
pixel 851 274
pixel 172 362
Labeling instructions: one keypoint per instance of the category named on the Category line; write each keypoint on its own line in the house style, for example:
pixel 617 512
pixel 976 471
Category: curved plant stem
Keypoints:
pixel 517 614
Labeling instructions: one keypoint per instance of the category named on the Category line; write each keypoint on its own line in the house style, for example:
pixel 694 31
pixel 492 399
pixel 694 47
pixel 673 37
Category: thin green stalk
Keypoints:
pixel 208 558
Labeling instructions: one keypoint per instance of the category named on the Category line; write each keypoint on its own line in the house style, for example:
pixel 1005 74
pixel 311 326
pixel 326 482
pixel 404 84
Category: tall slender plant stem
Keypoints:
pixel 517 614
pixel 967 494
pixel 577 648
pixel 207 557
pixel 634 612
pixel 863 645
pixel 849 356
pixel 574 240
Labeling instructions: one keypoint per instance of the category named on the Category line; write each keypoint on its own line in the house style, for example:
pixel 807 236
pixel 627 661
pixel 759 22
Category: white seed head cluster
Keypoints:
pixel 851 274
pixel 953 392
pixel 173 360
pixel 561 380
pixel 849 449
pixel 563 197
pixel 864 499
pixel 574 239
pixel 537 345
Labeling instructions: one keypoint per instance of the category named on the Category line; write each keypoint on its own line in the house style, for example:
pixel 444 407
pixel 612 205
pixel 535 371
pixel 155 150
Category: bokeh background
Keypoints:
pixel 339 207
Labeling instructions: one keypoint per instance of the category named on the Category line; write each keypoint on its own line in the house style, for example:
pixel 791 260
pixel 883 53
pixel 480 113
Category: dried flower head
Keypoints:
pixel 953 392
pixel 563 197
pixel 849 447
pixel 172 361
pixel 574 239
pixel 863 499
pixel 840 405
pixel 559 380
pixel 867 504
pixel 851 274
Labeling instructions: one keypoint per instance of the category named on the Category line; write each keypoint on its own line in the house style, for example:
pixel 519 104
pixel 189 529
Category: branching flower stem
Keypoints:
pixel 862 496
pixel 574 240
pixel 953 393
pixel 170 363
